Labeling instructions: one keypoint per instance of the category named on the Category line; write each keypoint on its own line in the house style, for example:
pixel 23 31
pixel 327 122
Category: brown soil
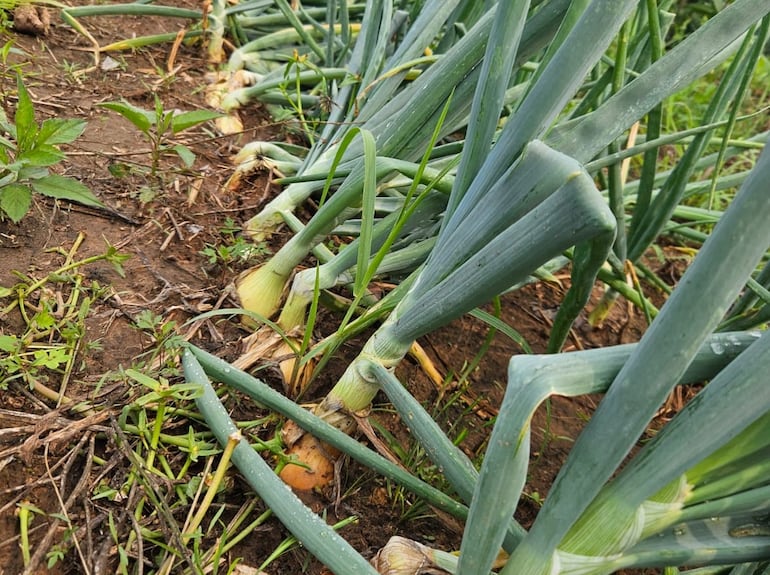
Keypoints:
pixel 46 454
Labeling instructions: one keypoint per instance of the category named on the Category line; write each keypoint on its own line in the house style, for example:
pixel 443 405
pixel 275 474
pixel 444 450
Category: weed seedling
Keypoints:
pixel 5 22
pixel 54 324
pixel 7 69
pixel 234 250
pixel 72 71
pixel 165 341
pixel 25 512
pixel 159 126
pixel 27 150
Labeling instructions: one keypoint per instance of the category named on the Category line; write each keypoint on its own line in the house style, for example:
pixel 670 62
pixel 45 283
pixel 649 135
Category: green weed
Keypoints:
pixel 7 70
pixel 164 339
pixel 27 151
pixel 159 126
pixel 53 311
pixel 235 249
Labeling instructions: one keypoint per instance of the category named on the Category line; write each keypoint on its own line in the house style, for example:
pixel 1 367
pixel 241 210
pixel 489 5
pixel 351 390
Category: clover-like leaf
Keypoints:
pixel 9 343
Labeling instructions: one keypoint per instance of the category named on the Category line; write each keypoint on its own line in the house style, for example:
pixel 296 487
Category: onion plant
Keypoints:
pixel 658 493
pixel 267 26
pixel 696 494
pixel 349 94
pixel 616 107
pixel 521 193
pixel 402 124
pixel 496 230
pixel 72 14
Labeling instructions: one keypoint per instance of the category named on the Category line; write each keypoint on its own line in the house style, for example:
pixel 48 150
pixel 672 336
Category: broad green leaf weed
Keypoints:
pixel 27 150
pixel 159 126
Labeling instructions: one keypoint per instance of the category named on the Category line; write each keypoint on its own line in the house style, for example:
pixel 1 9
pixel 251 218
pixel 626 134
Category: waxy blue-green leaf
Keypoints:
pixel 692 312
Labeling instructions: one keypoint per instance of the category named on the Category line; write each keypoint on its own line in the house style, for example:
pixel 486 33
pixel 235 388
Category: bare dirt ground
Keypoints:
pixel 47 453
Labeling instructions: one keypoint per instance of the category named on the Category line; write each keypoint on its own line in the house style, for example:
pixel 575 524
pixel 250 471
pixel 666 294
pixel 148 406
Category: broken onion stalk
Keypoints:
pixel 263 155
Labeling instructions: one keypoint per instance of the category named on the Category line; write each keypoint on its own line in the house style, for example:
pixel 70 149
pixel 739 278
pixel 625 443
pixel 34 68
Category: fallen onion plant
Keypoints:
pixel 268 26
